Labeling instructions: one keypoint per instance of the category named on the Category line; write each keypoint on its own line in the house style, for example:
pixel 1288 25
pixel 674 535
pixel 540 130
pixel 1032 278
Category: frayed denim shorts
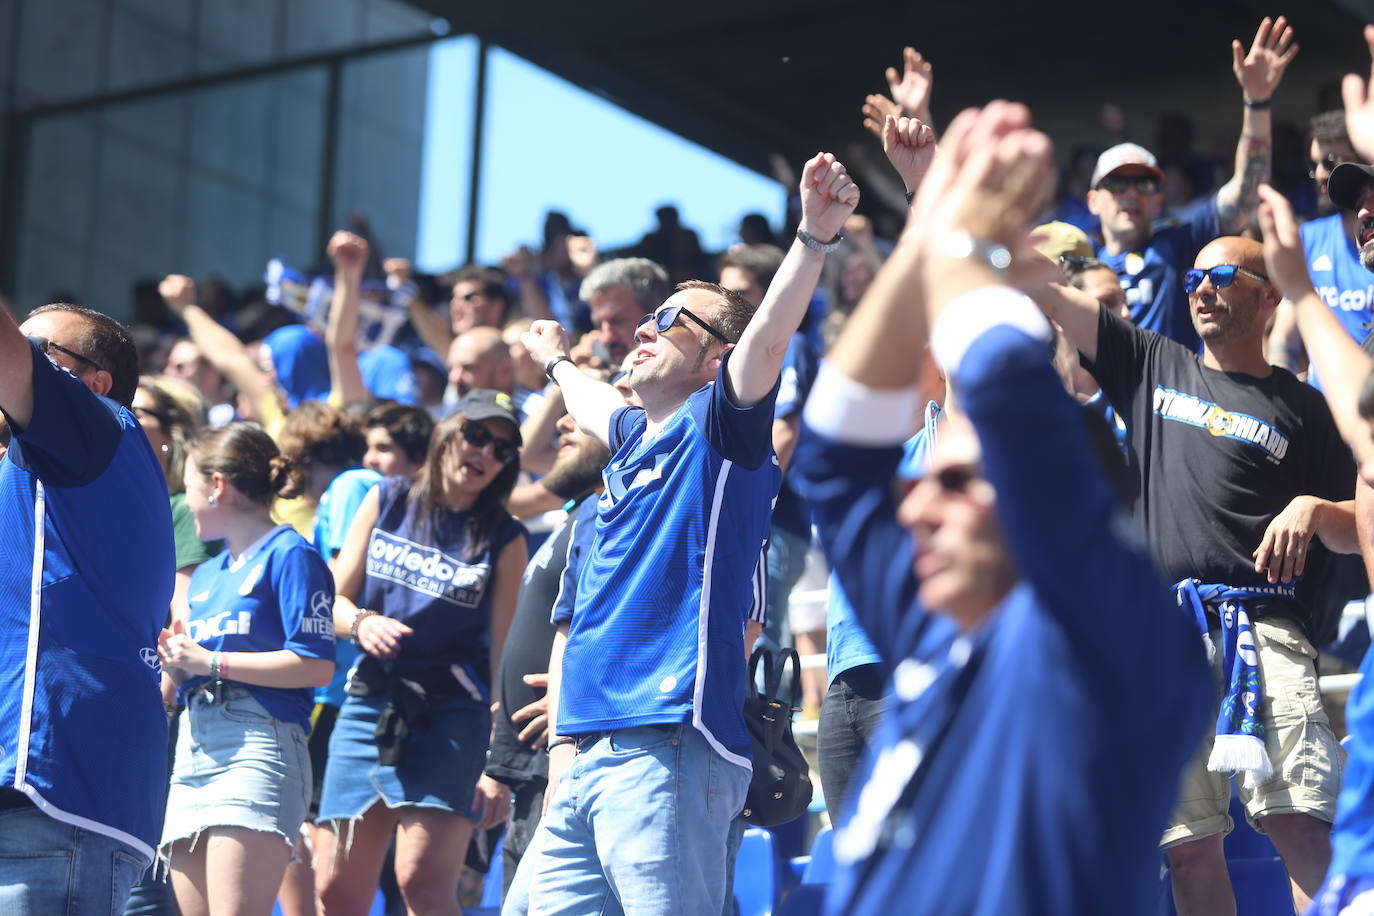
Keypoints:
pixel 439 767
pixel 236 766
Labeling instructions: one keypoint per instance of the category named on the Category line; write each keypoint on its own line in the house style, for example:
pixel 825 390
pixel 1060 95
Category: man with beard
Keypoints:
pixel 1339 268
pixel 519 736
pixel 1239 466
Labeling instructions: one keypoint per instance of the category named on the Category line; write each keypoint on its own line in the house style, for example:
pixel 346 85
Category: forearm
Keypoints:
pixel 341 340
pixel 1283 347
pixel 537 432
pixel 1342 366
pixel 225 352
pixel 591 403
pixel 1364 524
pixel 530 499
pixel 434 329
pixel 752 631
pixel 533 302
pixel 754 367
pixel 785 439
pixel 882 339
pixel 1237 199
pixel 560 641
pixel 345 611
pixel 282 668
pixel 1336 526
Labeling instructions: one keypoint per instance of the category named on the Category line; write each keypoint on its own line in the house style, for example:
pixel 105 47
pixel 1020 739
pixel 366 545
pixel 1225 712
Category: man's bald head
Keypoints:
pixel 1232 249
pixel 479 358
pixel 1230 308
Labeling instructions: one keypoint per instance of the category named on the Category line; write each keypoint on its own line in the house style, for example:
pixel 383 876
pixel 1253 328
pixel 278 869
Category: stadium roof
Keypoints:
pixel 748 78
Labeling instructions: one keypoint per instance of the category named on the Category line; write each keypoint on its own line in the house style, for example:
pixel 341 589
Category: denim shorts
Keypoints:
pixel 236 766
pixel 439 767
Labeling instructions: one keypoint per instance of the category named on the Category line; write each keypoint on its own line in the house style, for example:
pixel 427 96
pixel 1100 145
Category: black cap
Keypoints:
pixel 1346 184
pixel 485 404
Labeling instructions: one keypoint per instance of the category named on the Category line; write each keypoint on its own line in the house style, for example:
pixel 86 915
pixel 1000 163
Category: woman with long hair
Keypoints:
pixel 257 638
pixel 428 578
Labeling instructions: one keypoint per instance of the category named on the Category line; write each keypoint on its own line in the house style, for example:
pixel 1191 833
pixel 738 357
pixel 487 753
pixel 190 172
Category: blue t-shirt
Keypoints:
pixel 277 594
pixel 1333 261
pixel 84 512
pixel 435 581
pixel 1153 277
pixel 1029 765
pixel 333 517
pixel 678 534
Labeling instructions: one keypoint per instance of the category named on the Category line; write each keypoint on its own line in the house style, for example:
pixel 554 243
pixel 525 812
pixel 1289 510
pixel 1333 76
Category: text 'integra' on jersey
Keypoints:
pixel 426 569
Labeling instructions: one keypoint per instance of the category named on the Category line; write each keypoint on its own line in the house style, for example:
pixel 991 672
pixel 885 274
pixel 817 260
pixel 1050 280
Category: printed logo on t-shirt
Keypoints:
pixel 320 619
pixel 250 580
pixel 620 481
pixel 427 570
pixel 1220 422
pixel 149 658
pixel 224 623
pixel 1322 263
pixel 1347 300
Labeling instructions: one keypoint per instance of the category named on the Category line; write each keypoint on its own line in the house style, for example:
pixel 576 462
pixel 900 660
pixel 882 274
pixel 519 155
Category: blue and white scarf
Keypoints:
pixel 1239 745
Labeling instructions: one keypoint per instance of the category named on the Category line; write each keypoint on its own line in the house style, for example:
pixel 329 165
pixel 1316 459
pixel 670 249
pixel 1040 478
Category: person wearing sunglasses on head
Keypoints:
pixel 427 582
pixel 646 682
pixel 1338 245
pixel 1126 195
pixel 1244 490
pixel 86 537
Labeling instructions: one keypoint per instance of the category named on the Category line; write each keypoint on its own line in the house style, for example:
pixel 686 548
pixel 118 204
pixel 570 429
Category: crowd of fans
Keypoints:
pixel 423 566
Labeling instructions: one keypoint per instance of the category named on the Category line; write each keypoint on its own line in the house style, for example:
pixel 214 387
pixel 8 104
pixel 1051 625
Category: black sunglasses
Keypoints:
pixel 1145 184
pixel 1328 162
pixel 504 450
pixel 1222 276
pixel 47 346
pixel 665 317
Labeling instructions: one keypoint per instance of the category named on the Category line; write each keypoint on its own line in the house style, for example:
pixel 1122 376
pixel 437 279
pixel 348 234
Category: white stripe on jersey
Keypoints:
pixel 21 761
pixel 703 619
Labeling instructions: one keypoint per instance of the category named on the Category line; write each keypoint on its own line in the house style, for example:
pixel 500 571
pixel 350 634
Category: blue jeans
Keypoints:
pixel 49 867
pixel 639 826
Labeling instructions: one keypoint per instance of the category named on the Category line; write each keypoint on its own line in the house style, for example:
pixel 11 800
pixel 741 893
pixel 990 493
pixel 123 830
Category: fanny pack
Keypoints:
pixel 409 695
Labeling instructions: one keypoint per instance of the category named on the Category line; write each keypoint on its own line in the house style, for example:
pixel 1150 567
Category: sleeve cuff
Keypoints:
pixel 971 315
pixel 847 411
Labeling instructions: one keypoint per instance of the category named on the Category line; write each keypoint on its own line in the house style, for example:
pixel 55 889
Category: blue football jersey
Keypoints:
pixel 277 594
pixel 86 571
pixel 1333 262
pixel 668 582
pixel 1153 276
pixel 333 516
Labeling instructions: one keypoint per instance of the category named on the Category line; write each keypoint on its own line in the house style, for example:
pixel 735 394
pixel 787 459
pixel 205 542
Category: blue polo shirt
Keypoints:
pixel 666 587
pixel 87 556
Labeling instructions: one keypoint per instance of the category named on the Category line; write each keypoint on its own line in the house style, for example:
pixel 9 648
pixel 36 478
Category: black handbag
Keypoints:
pixel 780 789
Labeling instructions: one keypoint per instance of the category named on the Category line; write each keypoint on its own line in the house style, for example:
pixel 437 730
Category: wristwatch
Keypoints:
pixel 549 366
pixel 960 244
pixel 815 244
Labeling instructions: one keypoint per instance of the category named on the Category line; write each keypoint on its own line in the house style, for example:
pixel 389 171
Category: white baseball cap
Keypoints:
pixel 1122 155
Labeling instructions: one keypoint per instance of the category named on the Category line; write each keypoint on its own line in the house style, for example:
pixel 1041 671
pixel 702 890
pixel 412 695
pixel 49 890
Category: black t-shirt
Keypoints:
pixel 527 652
pixel 1215 455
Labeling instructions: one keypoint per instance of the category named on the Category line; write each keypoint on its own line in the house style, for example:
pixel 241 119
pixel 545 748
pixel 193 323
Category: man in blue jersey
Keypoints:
pixel 1148 256
pixel 647 680
pixel 86 537
pixel 1031 752
pixel 1331 245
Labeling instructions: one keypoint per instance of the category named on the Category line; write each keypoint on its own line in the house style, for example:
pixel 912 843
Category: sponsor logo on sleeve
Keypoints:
pixel 319 617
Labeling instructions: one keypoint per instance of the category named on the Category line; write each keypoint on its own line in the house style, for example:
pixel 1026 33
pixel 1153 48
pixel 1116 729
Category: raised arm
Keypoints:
pixel 1342 365
pixel 1358 96
pixel 591 403
pixel 349 252
pixel 1258 73
pixel 16 371
pixel 216 343
pixel 828 196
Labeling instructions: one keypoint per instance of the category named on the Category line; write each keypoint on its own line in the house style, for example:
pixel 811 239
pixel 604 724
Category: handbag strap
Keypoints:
pixel 775 675
pixel 761 654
